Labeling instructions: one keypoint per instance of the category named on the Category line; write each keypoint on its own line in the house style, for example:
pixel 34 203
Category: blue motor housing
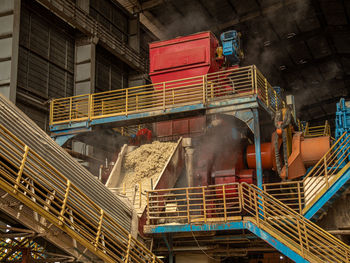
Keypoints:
pixel 230 41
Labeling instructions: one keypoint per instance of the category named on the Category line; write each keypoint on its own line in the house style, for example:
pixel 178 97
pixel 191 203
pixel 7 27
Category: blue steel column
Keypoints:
pixel 257 148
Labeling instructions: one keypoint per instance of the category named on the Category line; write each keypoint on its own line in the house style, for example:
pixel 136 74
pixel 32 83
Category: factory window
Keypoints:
pixel 111 17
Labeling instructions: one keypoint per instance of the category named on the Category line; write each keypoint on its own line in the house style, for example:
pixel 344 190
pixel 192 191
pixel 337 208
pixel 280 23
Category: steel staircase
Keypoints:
pixel 26 176
pixel 221 207
pixel 326 181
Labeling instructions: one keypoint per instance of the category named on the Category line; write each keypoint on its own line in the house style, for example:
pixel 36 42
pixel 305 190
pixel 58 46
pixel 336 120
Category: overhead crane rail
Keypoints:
pixel 228 203
pixel 26 175
pixel 223 85
pixel 302 195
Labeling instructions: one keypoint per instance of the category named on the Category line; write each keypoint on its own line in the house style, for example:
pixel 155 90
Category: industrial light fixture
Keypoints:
pixel 291 35
pixel 283 67
pixel 267 43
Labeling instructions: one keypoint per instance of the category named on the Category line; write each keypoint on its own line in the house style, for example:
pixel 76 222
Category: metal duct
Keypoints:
pixel 27 131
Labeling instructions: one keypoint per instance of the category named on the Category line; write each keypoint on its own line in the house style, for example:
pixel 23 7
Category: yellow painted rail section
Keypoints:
pixel 34 182
pixel 316 131
pixel 301 195
pixel 204 89
pixel 227 203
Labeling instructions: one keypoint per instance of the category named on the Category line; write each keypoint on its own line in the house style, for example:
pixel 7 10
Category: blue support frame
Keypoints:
pixel 60 140
pixel 257 148
pixel 237 225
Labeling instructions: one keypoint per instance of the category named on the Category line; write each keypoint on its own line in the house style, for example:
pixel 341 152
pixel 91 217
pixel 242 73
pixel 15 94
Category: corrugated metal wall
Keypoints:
pixel 110 16
pixel 46 58
pixel 111 73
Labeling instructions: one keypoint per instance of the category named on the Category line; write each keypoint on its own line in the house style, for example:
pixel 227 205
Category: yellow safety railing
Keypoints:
pixel 29 178
pixel 301 195
pixel 290 193
pixel 195 204
pixel 204 89
pixel 136 194
pixel 223 203
pixel 316 131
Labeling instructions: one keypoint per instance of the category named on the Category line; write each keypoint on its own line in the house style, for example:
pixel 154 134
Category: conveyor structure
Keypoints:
pixel 39 193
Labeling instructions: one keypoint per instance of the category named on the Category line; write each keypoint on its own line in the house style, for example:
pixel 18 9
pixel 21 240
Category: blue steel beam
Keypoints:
pixel 257 148
pixel 238 225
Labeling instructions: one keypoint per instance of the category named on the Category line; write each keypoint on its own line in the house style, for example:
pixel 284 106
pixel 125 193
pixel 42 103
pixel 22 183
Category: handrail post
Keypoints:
pixel 224 198
pixel 126 101
pixel 99 228
pixel 266 93
pixel 140 195
pixel 137 102
pixel 61 218
pixel 89 107
pixel 188 206
pixel 240 197
pixel 148 221
pixel 128 250
pixel 306 236
pixel 204 205
pixel 299 198
pixel 124 189
pixel 300 237
pixel 256 209
pixel 21 168
pixel 70 109
pixel 306 129
pixel 51 111
pixel 276 102
pixel 92 106
pixel 326 171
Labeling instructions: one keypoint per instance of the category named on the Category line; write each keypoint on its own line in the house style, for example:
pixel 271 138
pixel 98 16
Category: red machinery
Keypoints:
pixel 179 58
pixel 184 57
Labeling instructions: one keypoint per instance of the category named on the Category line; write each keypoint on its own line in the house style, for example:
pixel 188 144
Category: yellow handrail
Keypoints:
pixel 225 203
pixel 226 84
pixel 316 131
pixel 69 208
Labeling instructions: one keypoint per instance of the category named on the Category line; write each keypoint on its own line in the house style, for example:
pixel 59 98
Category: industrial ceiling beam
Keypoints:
pixel 146 17
pixel 252 15
pixel 320 103
pixel 304 36
pixel 150 4
pixel 314 62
